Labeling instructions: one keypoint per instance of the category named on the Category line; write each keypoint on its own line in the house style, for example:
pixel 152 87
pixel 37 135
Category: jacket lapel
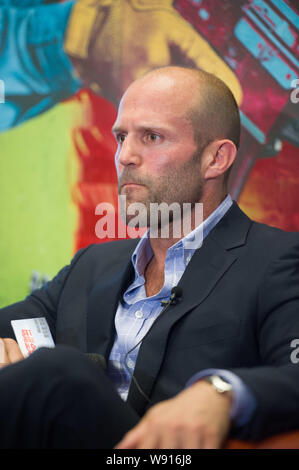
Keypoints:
pixel 102 306
pixel 207 266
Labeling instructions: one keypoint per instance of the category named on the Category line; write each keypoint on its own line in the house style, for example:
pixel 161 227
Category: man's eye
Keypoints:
pixel 120 138
pixel 152 137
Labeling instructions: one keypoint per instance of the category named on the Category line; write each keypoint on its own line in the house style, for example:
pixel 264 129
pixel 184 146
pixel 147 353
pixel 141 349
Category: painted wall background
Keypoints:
pixel 64 66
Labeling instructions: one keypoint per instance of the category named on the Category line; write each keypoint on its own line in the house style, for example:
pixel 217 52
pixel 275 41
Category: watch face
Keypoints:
pixel 219 384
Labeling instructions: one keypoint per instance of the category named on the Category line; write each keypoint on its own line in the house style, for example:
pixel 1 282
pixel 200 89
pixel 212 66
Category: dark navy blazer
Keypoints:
pixel 239 311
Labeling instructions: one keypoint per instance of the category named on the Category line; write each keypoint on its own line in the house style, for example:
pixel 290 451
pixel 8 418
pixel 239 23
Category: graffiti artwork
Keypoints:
pixel 64 66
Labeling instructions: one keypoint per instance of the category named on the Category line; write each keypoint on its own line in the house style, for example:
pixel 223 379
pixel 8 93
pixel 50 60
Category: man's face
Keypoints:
pixel 157 158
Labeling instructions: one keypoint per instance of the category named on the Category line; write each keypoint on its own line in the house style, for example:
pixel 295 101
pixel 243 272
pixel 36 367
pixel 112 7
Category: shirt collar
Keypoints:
pixel 143 251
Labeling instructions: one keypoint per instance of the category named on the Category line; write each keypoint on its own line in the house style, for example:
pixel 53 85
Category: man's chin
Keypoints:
pixel 130 189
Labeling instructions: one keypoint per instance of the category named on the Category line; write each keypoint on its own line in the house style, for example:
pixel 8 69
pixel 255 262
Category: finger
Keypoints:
pixel 132 438
pixel 211 441
pixel 181 438
pixel 194 441
pixel 13 351
pixel 170 441
pixel 150 440
pixel 3 354
pixel 163 435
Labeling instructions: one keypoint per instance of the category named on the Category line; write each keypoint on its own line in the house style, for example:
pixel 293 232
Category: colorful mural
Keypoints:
pixel 63 68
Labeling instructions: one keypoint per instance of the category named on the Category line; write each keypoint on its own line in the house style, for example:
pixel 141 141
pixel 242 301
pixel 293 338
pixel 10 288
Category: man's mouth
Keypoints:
pixel 131 185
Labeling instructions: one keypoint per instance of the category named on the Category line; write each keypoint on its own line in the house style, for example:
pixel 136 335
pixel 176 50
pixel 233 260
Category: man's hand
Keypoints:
pixel 197 418
pixel 9 352
pixel 113 42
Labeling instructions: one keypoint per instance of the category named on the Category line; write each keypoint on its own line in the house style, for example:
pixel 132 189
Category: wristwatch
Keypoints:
pixel 219 384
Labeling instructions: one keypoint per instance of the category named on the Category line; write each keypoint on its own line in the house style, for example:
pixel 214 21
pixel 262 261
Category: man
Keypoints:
pixel 51 50
pixel 217 360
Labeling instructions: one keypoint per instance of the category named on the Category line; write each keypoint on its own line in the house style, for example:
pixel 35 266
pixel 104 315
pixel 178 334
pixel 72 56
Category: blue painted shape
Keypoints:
pixel 274 21
pixel 292 16
pixel 265 54
pixel 273 39
pixel 252 128
pixel 204 14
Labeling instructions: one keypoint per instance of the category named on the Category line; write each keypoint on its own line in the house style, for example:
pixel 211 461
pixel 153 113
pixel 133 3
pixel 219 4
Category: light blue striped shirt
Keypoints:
pixel 134 318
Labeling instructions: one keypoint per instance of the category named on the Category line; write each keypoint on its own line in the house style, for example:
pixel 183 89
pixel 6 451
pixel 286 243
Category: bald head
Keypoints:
pixel 207 102
pixel 175 129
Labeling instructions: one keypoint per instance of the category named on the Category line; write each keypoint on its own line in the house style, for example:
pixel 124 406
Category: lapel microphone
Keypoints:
pixel 175 296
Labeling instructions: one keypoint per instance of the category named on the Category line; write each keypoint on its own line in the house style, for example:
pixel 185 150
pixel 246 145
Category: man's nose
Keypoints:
pixel 128 153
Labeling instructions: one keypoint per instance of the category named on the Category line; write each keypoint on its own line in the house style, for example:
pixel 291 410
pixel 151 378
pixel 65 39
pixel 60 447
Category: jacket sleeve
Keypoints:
pixel 275 383
pixel 35 71
pixel 40 303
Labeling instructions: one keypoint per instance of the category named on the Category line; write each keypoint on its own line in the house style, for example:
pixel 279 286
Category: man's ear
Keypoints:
pixel 218 158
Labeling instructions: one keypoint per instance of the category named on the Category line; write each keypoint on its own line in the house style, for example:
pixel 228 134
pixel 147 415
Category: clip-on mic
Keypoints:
pixel 175 297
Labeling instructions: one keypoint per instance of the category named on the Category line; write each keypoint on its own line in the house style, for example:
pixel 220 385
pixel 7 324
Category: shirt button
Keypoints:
pixel 131 364
pixel 188 259
pixel 139 314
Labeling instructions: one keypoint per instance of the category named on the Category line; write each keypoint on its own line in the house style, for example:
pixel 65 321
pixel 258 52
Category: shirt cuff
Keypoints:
pixel 244 402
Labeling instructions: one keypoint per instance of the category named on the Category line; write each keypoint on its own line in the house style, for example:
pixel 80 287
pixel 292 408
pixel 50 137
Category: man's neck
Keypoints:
pixel 161 245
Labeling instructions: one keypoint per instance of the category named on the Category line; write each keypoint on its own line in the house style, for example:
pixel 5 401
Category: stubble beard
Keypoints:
pixel 182 184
